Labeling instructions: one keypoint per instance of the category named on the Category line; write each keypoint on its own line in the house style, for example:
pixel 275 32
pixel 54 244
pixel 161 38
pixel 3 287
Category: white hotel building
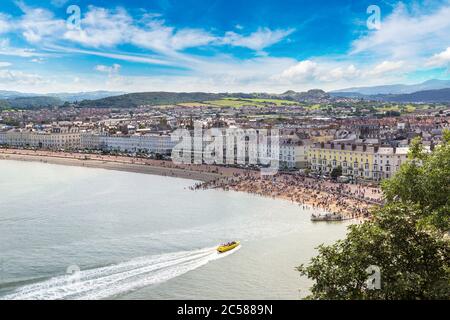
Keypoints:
pixel 57 138
pixel 158 144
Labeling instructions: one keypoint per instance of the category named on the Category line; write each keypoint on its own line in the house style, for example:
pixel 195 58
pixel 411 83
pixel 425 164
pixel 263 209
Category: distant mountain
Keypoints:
pixel 34 102
pixel 433 84
pixel 4 94
pixel 80 96
pixel 133 100
pixel 315 95
pixel 427 96
pixel 58 97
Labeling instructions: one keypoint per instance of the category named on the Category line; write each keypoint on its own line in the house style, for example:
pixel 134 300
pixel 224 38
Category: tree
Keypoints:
pixel 336 172
pixel 407 239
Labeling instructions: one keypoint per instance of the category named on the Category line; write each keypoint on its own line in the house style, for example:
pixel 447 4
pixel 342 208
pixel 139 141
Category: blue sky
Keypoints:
pixel 218 45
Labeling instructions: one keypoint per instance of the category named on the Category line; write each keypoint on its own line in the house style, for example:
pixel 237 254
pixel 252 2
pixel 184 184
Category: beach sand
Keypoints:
pixel 109 163
pixel 352 201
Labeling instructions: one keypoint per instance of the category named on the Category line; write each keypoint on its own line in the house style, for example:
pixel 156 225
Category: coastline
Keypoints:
pixel 116 165
pixel 350 201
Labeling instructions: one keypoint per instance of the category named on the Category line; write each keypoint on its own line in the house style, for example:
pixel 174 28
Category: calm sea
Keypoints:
pixel 80 233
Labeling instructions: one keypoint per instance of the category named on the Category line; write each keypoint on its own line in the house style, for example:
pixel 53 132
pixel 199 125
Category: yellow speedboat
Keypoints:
pixel 228 246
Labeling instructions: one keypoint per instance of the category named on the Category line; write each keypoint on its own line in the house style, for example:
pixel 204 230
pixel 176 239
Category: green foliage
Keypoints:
pixel 336 172
pixel 133 100
pixel 30 102
pixel 414 263
pixel 425 180
pixel 407 238
pixel 4 104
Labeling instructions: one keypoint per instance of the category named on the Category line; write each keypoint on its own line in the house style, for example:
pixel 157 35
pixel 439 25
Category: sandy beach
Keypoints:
pixel 162 168
pixel 350 201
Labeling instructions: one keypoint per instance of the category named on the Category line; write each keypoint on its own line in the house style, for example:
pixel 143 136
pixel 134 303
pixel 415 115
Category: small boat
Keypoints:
pixel 327 217
pixel 228 246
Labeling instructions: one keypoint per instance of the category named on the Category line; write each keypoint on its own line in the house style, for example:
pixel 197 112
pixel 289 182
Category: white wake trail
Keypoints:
pixel 117 279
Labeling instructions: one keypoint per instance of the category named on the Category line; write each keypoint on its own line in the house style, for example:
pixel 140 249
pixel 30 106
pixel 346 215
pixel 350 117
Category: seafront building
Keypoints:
pixel 70 138
pixel 294 153
pixel 149 143
pixel 55 139
pixel 357 161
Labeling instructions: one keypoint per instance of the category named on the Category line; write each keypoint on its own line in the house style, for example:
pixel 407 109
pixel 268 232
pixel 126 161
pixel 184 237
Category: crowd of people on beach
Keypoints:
pixel 349 201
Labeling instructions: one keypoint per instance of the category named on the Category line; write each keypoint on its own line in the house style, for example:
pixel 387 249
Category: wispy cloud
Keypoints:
pixel 386 67
pixel 408 33
pixel 440 59
pixel 5 23
pixel 109 28
pixel 258 40
pixel 111 70
pixel 7 50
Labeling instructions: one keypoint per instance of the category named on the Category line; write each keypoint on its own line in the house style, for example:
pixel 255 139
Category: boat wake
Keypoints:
pixel 101 283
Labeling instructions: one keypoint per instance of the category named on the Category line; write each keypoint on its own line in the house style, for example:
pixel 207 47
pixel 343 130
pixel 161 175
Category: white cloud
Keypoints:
pixel 111 70
pixel 18 78
pixel 407 34
pixel 7 50
pixel 308 70
pixel 5 24
pixel 387 66
pixel 303 70
pixel 37 24
pixel 440 59
pixel 339 73
pixel 330 74
pixel 102 28
pixel 109 28
pixel 161 38
pixel 4 64
pixel 258 40
pixel 37 60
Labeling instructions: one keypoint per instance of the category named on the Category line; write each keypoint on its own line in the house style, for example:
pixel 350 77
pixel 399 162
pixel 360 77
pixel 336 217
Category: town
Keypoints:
pixel 336 140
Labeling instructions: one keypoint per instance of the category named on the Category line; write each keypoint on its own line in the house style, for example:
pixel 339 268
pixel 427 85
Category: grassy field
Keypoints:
pixel 314 107
pixel 194 104
pixel 277 102
pixel 399 108
pixel 238 103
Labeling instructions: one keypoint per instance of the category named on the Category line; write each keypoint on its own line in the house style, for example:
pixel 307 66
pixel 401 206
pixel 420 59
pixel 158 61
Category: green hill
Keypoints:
pixel 33 102
pixel 133 100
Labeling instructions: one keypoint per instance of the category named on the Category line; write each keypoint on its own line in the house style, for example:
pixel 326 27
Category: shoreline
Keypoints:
pixel 113 165
pixel 350 201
